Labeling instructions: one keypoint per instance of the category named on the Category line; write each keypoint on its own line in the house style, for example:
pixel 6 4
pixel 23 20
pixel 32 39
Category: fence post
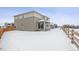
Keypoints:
pixel 72 35
pixel 68 32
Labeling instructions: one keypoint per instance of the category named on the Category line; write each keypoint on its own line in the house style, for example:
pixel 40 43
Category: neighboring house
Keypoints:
pixel 0 26
pixel 52 25
pixel 31 21
pixel 9 24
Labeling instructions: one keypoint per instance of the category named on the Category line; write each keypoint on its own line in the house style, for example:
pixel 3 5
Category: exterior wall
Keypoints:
pixel 29 15
pixel 25 24
pixel 47 26
pixel 29 21
pixel 38 16
pixel 36 20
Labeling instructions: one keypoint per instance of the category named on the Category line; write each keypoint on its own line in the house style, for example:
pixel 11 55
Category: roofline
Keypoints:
pixel 31 12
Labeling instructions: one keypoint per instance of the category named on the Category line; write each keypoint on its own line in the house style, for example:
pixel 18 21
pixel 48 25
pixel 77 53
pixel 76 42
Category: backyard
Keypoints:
pixel 53 40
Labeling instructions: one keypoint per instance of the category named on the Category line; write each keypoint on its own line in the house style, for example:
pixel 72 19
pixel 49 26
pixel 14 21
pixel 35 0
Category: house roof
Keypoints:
pixel 30 12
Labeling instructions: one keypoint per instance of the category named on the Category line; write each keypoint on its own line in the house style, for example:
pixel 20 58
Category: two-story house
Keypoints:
pixel 31 21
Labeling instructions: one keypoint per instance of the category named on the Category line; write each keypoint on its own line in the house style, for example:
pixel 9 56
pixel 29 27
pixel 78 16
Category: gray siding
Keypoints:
pixel 29 21
pixel 25 24
pixel 36 20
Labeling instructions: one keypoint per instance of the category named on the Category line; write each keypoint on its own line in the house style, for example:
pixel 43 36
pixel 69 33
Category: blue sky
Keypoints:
pixel 58 15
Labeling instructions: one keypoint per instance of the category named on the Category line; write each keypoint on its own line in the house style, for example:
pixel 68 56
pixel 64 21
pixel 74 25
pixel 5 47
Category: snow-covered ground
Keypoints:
pixel 77 30
pixel 53 40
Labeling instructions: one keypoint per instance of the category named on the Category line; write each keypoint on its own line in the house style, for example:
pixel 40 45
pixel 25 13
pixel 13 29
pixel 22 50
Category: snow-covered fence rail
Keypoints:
pixel 73 35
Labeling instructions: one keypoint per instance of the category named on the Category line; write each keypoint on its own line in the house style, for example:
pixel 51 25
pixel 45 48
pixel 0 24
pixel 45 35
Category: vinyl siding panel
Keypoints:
pixel 25 24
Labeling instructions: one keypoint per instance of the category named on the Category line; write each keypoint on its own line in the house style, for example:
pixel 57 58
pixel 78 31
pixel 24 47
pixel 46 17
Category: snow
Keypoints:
pixel 53 40
pixel 77 30
pixel 43 20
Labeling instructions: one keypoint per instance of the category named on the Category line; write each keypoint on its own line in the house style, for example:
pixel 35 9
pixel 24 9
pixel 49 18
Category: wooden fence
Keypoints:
pixel 73 35
pixel 9 28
